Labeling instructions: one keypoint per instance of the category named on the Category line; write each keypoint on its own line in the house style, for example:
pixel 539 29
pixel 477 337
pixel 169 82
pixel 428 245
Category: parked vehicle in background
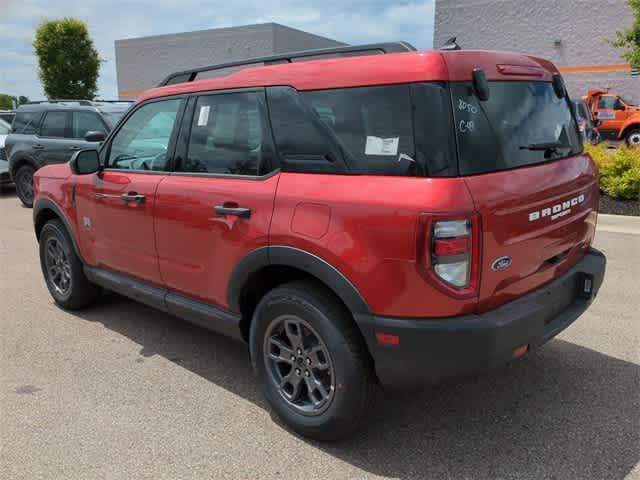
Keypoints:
pixel 385 219
pixel 7 115
pixel 586 124
pixel 619 120
pixel 51 131
pixel 5 179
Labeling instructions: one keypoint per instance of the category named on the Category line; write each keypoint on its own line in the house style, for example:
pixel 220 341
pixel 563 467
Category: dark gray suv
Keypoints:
pixel 51 131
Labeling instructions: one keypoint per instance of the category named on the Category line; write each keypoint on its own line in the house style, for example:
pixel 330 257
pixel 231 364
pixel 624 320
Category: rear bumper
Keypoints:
pixel 435 349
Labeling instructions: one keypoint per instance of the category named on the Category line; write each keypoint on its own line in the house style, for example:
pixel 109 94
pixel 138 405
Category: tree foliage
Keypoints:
pixel 68 62
pixel 6 101
pixel 629 39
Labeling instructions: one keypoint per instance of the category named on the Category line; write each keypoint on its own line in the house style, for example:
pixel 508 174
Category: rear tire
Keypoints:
pixel 62 269
pixel 24 185
pixel 311 361
pixel 633 138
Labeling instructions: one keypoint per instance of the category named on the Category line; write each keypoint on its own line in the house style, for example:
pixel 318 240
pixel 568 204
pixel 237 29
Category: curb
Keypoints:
pixel 618 224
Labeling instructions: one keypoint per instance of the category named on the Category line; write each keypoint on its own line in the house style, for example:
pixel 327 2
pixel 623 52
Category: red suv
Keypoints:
pixel 374 218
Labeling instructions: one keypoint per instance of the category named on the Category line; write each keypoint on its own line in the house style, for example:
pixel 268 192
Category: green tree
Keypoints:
pixel 629 39
pixel 67 59
pixel 22 99
pixel 6 101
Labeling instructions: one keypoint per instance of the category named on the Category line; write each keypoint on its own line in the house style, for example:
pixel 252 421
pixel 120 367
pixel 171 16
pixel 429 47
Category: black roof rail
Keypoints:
pixel 59 100
pixel 112 101
pixel 347 50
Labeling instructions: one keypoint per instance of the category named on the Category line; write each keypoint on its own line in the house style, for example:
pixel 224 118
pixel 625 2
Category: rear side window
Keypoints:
pixel 84 122
pixel 393 130
pixel 26 122
pixel 54 125
pixel 522 123
pixel 228 135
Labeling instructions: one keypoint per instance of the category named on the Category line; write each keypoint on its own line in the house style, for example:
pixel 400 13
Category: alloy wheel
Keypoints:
pixel 634 139
pixel 58 266
pixel 25 184
pixel 299 365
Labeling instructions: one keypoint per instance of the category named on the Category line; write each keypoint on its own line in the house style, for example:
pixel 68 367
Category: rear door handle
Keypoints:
pixel 38 147
pixel 132 197
pixel 237 211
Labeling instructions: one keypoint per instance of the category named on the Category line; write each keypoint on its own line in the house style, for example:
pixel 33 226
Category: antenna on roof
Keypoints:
pixel 451 44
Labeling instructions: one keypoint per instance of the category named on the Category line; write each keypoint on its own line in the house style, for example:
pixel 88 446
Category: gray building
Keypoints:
pixel 141 63
pixel 571 33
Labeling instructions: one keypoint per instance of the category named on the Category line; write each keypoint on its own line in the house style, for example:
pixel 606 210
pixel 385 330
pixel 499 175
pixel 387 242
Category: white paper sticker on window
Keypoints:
pixel 381 146
pixel 203 117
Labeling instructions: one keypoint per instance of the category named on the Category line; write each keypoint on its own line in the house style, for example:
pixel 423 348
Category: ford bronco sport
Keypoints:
pixel 376 218
pixel 52 131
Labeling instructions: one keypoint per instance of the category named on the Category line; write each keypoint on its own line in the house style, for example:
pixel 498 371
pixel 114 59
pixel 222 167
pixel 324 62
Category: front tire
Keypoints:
pixel 311 361
pixel 633 138
pixel 62 269
pixel 24 185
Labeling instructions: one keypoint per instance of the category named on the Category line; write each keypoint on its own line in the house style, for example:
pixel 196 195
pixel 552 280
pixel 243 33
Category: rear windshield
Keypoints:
pixel 522 123
pixel 26 122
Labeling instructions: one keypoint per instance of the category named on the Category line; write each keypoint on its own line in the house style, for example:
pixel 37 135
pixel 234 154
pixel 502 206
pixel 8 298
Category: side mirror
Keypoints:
pixel 94 136
pixel 558 85
pixel 85 162
pixel 480 84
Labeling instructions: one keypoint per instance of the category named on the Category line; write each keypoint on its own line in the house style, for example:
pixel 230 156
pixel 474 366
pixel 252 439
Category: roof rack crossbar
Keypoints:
pixel 190 75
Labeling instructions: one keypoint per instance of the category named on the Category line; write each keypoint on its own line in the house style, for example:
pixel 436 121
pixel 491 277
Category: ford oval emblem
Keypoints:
pixel 501 263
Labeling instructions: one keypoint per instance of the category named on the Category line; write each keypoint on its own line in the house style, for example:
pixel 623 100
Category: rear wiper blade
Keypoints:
pixel 544 146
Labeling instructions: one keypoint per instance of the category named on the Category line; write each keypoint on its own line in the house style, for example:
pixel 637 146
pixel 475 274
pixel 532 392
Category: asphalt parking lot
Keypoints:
pixel 123 391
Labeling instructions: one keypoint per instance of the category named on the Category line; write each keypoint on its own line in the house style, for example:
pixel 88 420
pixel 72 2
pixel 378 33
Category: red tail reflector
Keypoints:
pixel 387 339
pixel 518 352
pixel 451 246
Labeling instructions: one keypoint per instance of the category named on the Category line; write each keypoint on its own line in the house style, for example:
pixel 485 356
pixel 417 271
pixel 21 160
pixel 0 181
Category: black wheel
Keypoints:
pixel 633 137
pixel 62 269
pixel 311 361
pixel 24 185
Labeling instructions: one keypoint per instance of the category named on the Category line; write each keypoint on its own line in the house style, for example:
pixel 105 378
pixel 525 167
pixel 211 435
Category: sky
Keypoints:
pixel 350 21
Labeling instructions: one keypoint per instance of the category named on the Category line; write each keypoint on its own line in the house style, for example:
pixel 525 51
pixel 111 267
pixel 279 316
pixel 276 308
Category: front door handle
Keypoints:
pixel 37 146
pixel 132 197
pixel 75 147
pixel 237 211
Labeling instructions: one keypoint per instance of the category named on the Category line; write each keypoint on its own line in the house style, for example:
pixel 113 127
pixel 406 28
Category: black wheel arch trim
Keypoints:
pixel 47 204
pixel 16 163
pixel 282 255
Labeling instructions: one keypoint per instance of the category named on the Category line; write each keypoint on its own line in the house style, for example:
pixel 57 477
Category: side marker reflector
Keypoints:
pixel 387 339
pixel 518 352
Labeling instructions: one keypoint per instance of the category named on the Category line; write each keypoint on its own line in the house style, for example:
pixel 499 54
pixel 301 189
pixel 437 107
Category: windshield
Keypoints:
pixel 5 128
pixel 522 123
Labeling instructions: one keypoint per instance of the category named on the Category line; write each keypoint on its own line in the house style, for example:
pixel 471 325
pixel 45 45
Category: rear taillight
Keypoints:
pixel 451 252
pixel 451 255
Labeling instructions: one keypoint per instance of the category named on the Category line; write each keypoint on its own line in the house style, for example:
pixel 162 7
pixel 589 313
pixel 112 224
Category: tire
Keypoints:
pixel 633 137
pixel 344 368
pixel 24 185
pixel 62 269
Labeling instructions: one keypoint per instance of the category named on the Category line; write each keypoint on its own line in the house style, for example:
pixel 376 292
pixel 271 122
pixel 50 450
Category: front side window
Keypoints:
pixel 84 122
pixel 143 141
pixel 227 135
pixel 521 124
pixel 54 125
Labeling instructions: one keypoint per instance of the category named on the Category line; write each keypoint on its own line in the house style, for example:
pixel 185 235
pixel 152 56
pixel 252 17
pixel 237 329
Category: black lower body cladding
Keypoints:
pixel 434 349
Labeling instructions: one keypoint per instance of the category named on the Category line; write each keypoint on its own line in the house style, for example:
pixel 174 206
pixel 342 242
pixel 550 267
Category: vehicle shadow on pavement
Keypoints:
pixel 564 411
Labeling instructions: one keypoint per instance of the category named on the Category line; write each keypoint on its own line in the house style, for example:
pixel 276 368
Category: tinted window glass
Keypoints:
pixel 607 102
pixel 227 135
pixel 143 141
pixel 84 122
pixel 522 123
pixel 373 125
pixel 304 143
pixel 26 122
pixel 54 125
